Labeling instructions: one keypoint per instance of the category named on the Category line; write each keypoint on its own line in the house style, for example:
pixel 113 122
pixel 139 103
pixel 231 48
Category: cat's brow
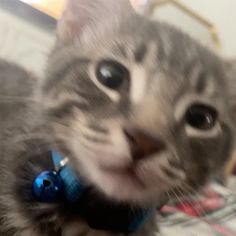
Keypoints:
pixel 201 83
pixel 119 50
pixel 140 53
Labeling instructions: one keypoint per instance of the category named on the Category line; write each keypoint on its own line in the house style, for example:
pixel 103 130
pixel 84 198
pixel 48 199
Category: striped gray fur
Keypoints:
pixel 134 143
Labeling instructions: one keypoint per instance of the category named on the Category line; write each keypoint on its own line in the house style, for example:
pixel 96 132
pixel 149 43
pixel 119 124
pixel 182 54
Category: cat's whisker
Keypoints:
pixel 6 99
pixel 41 150
pixel 198 208
pixel 179 200
pixel 168 195
pixel 31 136
pixel 38 136
pixel 190 199
pixel 183 193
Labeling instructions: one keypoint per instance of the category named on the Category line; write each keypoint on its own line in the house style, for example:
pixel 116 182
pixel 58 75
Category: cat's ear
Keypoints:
pixel 82 15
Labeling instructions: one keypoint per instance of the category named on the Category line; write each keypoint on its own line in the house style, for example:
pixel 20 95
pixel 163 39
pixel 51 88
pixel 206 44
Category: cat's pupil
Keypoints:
pixel 201 117
pixel 111 74
pixel 46 183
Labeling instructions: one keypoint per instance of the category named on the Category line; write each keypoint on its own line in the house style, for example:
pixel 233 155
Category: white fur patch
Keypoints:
pixel 138 84
pixel 215 131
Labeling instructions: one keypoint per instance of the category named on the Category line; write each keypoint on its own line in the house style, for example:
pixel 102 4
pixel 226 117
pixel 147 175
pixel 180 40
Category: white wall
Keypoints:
pixel 23 42
pixel 221 12
pixel 28 45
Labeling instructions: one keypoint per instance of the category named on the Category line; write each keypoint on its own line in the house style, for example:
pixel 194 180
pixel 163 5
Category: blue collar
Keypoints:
pixel 64 182
pixel 73 186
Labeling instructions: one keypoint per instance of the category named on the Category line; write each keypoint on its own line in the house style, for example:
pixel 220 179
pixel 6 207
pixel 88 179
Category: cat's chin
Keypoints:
pixel 143 183
pixel 126 186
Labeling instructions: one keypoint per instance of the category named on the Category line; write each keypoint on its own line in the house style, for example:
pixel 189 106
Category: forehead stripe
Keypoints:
pixel 138 84
pixel 140 53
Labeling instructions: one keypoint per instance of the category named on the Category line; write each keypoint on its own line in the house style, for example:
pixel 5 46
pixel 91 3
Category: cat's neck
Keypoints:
pixel 94 205
pixel 100 212
pixel 74 228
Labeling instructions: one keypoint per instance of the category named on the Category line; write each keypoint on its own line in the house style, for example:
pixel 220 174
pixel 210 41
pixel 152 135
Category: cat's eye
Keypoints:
pixel 111 74
pixel 201 116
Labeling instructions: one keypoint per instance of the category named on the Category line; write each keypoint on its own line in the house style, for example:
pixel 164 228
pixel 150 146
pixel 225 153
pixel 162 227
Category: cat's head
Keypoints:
pixel 140 108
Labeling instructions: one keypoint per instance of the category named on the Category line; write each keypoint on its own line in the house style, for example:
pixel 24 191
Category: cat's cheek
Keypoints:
pixel 102 156
pixel 161 170
pixel 104 150
pixel 123 188
pixel 150 180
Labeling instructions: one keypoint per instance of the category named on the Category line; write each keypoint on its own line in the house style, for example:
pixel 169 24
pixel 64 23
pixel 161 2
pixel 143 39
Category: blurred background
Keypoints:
pixel 27 27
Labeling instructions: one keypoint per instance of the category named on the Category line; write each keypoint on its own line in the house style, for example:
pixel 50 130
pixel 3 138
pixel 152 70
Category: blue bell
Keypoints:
pixel 47 186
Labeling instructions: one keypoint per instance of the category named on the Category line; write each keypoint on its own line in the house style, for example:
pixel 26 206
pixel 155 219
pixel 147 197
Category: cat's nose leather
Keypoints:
pixel 142 144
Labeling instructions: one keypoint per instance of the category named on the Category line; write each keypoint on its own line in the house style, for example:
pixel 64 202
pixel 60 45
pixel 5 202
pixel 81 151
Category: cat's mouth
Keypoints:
pixel 123 184
pixel 137 169
pixel 141 183
pixel 125 174
pixel 141 147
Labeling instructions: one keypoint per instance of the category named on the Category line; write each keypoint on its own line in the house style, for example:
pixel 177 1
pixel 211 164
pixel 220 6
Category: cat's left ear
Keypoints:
pixel 87 15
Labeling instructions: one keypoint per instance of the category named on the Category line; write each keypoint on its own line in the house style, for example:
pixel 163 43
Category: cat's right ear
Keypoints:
pixel 82 15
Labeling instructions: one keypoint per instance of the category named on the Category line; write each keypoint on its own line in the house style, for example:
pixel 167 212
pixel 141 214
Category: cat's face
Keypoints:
pixel 139 107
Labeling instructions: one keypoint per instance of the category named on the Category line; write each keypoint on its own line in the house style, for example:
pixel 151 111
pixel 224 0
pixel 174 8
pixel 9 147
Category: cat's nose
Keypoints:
pixel 142 144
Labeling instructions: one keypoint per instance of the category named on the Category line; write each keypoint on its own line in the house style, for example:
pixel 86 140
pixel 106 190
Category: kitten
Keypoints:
pixel 140 110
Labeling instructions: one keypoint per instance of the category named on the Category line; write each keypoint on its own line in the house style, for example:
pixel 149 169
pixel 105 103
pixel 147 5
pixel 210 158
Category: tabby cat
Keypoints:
pixel 140 110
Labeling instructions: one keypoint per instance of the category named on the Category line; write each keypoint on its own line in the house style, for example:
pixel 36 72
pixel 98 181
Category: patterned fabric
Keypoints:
pixel 211 213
